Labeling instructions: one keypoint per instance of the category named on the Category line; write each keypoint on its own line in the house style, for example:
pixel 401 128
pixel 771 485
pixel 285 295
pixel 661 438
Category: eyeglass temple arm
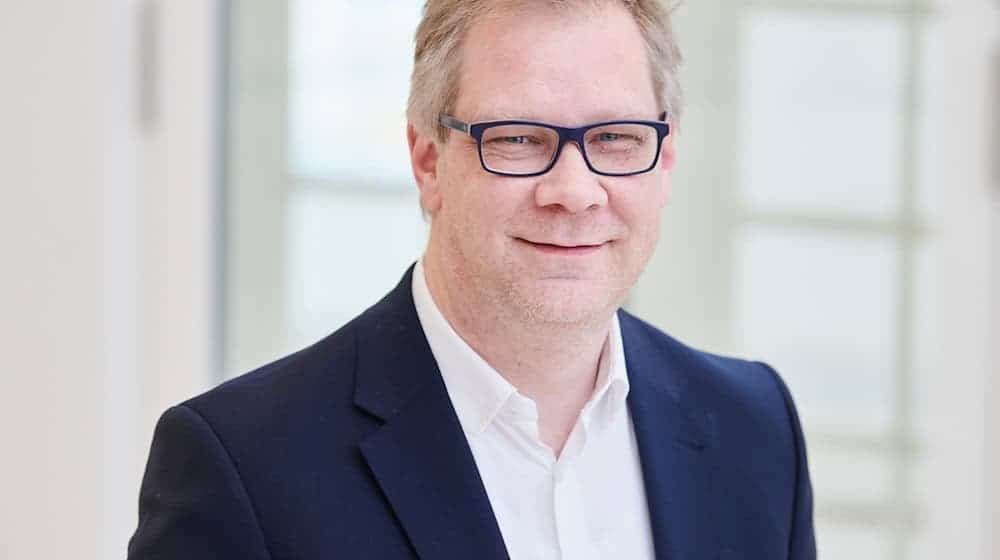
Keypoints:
pixel 448 121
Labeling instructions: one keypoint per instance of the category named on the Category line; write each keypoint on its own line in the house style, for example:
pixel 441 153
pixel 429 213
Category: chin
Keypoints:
pixel 565 302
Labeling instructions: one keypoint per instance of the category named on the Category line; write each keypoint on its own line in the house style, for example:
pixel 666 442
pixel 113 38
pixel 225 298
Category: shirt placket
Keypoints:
pixel 567 492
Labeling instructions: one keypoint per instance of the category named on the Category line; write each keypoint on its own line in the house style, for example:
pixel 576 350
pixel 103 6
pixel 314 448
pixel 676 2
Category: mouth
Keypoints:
pixel 563 249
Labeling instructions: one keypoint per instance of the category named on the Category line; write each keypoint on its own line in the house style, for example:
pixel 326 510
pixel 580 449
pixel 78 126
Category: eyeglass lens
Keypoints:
pixel 526 149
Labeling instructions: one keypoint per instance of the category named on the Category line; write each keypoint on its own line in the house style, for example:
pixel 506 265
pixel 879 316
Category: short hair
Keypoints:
pixel 437 54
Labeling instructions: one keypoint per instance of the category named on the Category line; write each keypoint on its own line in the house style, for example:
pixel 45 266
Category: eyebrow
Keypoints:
pixel 502 115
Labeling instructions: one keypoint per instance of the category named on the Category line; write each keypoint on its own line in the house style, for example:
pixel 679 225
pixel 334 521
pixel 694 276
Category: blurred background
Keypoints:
pixel 185 198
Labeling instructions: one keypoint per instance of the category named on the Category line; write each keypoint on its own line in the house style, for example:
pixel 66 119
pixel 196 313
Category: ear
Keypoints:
pixel 423 160
pixel 668 158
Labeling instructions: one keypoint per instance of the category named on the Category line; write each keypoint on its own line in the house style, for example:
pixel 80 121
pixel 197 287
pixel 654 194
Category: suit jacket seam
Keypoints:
pixel 236 471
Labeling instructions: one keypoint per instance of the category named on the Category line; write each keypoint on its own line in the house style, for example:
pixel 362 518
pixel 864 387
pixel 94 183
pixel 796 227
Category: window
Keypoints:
pixel 803 212
pixel 831 232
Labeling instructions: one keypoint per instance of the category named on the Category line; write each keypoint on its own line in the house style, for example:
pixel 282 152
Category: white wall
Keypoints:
pixel 993 394
pixel 992 156
pixel 105 236
pixel 54 153
pixel 963 520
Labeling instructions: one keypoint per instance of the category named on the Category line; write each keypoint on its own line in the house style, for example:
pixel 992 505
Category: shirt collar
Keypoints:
pixel 479 393
pixel 612 386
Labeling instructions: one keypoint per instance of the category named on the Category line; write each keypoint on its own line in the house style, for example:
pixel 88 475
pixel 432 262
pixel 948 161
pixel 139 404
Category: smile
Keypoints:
pixel 566 250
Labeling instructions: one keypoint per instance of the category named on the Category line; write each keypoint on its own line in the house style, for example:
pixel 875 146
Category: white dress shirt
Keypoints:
pixel 590 502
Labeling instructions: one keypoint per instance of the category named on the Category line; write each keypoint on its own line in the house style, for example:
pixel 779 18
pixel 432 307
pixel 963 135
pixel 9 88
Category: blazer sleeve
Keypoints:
pixel 802 544
pixel 192 503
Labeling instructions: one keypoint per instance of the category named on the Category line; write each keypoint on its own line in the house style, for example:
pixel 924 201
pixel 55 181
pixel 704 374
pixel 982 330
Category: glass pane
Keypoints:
pixel 822 309
pixel 821 113
pixel 344 254
pixel 850 476
pixel 928 485
pixel 925 340
pixel 347 90
pixel 932 171
pixel 860 542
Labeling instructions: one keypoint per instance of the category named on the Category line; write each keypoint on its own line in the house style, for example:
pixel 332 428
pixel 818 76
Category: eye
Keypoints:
pixel 517 140
pixel 606 137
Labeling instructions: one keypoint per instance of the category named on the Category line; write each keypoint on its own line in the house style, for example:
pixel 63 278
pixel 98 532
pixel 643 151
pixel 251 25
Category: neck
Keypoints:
pixel 555 365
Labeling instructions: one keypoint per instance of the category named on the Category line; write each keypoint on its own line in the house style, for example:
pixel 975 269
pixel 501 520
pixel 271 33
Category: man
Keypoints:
pixel 496 403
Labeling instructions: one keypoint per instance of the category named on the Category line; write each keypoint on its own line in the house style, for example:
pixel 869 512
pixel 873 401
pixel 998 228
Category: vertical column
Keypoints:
pixel 257 190
pixel 993 394
pixel 686 288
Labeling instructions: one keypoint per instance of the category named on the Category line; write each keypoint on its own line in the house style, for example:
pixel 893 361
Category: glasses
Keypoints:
pixel 528 148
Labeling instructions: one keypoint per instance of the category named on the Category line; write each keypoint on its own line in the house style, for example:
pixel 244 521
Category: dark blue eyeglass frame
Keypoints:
pixel 476 130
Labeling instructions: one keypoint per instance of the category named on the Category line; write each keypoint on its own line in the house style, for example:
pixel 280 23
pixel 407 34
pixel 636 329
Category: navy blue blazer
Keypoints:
pixel 351 449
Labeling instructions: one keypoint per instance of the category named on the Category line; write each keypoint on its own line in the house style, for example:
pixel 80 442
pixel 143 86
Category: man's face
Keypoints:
pixel 564 247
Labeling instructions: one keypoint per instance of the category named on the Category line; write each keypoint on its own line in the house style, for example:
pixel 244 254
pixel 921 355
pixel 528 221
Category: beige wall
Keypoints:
pixel 55 167
pixel 964 519
pixel 105 236
pixel 993 418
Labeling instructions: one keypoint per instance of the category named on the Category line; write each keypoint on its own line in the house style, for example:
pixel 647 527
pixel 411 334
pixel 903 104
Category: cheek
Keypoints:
pixel 475 211
pixel 665 188
pixel 638 206
pixel 492 203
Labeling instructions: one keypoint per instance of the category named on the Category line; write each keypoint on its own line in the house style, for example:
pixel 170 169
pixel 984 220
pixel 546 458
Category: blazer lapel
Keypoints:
pixel 675 448
pixel 420 457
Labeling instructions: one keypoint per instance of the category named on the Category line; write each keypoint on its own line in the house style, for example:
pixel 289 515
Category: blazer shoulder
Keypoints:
pixel 317 378
pixel 742 389
pixel 752 428
pixel 745 374
pixel 314 388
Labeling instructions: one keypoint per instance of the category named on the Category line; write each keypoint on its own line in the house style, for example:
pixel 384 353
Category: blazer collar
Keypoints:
pixel 419 456
pixel 676 443
pixel 424 465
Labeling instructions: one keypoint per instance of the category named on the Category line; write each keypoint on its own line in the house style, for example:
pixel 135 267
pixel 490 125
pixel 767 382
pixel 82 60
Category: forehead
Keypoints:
pixel 557 66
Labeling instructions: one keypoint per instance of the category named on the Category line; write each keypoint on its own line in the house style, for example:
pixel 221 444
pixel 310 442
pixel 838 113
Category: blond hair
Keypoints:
pixel 437 54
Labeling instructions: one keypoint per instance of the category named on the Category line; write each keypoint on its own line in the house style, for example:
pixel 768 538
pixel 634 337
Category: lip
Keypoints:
pixel 570 251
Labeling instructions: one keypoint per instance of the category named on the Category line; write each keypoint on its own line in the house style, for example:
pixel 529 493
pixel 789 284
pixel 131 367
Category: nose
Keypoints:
pixel 570 183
